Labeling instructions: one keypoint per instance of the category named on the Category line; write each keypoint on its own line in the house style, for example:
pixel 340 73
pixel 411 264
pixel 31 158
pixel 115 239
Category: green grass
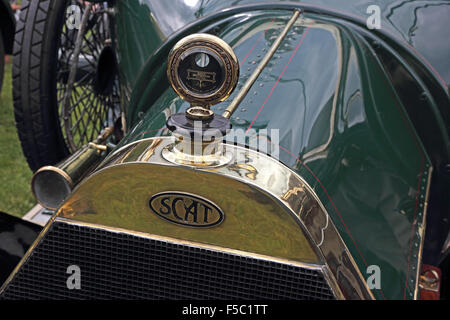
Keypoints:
pixel 15 175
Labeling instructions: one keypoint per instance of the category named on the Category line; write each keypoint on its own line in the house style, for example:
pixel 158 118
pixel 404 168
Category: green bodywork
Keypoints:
pixel 342 124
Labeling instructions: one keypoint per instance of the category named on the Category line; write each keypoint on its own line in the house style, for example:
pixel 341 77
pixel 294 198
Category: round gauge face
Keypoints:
pixel 203 69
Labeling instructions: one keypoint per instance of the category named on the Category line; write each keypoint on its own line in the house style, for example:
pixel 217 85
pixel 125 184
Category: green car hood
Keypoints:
pixel 341 126
pixel 420 25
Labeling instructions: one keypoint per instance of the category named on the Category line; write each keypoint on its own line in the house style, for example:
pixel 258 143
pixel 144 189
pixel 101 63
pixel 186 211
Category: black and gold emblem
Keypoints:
pixel 186 209
pixel 203 69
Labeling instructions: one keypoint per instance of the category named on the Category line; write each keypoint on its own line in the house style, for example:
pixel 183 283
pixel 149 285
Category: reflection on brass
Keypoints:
pixel 293 192
pixel 272 212
pixel 315 218
pixel 199 113
pixel 248 170
pixel 188 152
pixel 254 76
pixel 99 147
pixel 148 153
pixel 429 280
pixel 309 211
pixel 119 197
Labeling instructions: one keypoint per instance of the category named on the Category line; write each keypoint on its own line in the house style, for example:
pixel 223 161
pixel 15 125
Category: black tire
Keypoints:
pixel 37 82
pixel 34 82
pixel 2 61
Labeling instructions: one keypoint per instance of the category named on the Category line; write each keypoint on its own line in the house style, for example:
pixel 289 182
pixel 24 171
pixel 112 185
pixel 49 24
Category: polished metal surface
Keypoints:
pixel 185 151
pixel 269 209
pixel 430 280
pixel 187 73
pixel 118 195
pixel 51 185
pixel 421 228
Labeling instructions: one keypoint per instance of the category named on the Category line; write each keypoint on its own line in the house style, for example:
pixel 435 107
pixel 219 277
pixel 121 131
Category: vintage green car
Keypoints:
pixel 210 149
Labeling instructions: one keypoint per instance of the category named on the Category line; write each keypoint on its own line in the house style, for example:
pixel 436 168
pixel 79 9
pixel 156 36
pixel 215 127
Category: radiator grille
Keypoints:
pixel 124 266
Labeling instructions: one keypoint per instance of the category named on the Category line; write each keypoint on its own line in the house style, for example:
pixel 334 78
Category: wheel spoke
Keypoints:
pixel 87 112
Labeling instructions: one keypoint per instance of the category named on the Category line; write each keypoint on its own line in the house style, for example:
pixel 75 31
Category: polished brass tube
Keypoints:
pixel 51 185
pixel 254 76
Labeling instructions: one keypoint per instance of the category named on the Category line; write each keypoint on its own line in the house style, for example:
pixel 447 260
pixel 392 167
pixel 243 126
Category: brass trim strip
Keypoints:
pixel 332 282
pixel 422 230
pixel 254 76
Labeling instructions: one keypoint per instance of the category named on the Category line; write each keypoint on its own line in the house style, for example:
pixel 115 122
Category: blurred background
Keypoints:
pixel 15 175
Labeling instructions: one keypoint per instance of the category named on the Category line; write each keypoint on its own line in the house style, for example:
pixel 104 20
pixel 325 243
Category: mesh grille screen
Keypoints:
pixel 123 266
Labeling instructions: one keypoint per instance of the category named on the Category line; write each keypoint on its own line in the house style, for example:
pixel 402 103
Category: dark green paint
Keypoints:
pixel 422 25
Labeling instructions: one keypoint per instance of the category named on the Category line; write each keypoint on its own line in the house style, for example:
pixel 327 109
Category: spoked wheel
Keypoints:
pixel 65 78
pixel 94 98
